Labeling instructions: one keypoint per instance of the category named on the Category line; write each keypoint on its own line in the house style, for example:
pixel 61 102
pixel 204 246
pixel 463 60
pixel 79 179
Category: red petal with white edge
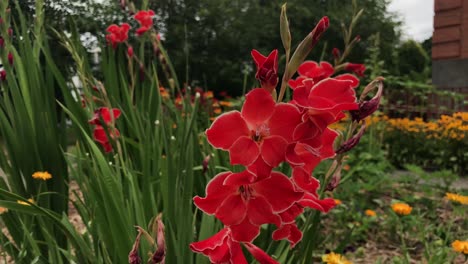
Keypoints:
pixel 260 169
pixel 216 193
pixel 226 129
pixel 313 202
pixel 306 130
pixel 259 254
pixel 258 107
pixel 291 213
pixel 331 94
pixel 289 232
pixel 259 212
pixel 212 242
pixel 244 151
pixel 240 178
pixel 237 256
pixel 302 91
pixel 245 231
pixel 305 181
pixel 258 58
pixel 273 149
pixel 284 120
pixel 328 138
pixel 349 77
pixel 292 157
pixel 308 68
pixel 232 211
pixel 100 135
pixel 278 190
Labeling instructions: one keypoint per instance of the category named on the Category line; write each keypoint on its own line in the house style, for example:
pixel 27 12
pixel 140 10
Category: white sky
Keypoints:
pixel 417 17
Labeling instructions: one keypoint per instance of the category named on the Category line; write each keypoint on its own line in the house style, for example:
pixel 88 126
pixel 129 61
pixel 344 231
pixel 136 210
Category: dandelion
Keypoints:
pixel 25 203
pixel 3 210
pixel 334 258
pixel 457 198
pixel 460 246
pixel 369 212
pixel 42 175
pixel 401 208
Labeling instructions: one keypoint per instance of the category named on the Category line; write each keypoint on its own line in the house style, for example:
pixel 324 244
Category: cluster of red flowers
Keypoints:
pixel 104 121
pixel 119 34
pixel 260 137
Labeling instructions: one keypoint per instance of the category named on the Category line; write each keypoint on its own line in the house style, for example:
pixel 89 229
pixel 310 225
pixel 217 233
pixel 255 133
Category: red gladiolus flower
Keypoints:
pixel 100 136
pixel 315 71
pixel 104 113
pixel 259 254
pixel 145 18
pixel 117 34
pixel 244 206
pixel 220 248
pixel 267 69
pixel 259 133
pixel 356 68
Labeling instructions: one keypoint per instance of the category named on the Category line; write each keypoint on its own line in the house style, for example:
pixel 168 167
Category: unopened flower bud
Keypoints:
pixel 205 163
pixel 10 58
pixel 10 32
pixel 322 25
pixel 336 53
pixel 2 75
pixel 160 253
pixel 357 38
pixel 130 51
pixel 284 29
pixel 352 142
pixel 133 257
pixel 335 181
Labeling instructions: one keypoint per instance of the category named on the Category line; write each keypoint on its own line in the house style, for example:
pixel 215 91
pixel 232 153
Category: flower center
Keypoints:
pixel 260 132
pixel 246 192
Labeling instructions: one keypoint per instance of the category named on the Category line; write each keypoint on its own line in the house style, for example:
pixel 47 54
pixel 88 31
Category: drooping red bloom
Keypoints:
pixel 357 68
pixel 145 18
pixel 104 113
pixel 259 133
pixel 244 206
pixel 267 69
pixel 220 248
pixel 117 34
pixel 107 116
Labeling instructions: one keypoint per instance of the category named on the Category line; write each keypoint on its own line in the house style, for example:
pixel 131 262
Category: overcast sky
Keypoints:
pixel 417 16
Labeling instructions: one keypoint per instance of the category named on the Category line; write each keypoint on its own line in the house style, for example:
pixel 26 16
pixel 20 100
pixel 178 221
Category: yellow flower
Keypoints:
pixel 25 203
pixel 42 175
pixel 333 258
pixel 337 201
pixel 3 210
pixel 369 212
pixel 401 208
pixel 457 198
pixel 460 246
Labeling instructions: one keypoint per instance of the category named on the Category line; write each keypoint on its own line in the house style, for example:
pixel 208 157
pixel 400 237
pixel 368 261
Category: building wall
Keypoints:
pixel 450 44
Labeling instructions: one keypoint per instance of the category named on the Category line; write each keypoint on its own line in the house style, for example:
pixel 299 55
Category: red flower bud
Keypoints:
pixel 336 53
pixel 10 32
pixel 352 142
pixel 206 160
pixel 322 25
pixel 357 68
pixel 160 253
pixel 130 52
pixel 267 69
pixel 10 58
pixel 335 181
pixel 2 75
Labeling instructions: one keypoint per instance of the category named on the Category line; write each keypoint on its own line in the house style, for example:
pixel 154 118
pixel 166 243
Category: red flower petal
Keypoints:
pixel 278 190
pixel 304 180
pixel 245 231
pixel 232 211
pixel 273 149
pixel 284 120
pixel 216 193
pixel 259 212
pixel 240 178
pixel 260 169
pixel 226 129
pixel 258 107
pixel 258 58
pixel 259 254
pixel 289 232
pixel 333 94
pixel 291 213
pixel 237 256
pixel 244 151
pixel 313 202
pixel 212 242
pixel 349 77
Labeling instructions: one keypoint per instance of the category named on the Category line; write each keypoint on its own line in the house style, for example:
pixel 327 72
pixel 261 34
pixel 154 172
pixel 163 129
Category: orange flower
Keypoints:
pixel 42 175
pixel 371 213
pixel 460 246
pixel 402 208
pixel 337 201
